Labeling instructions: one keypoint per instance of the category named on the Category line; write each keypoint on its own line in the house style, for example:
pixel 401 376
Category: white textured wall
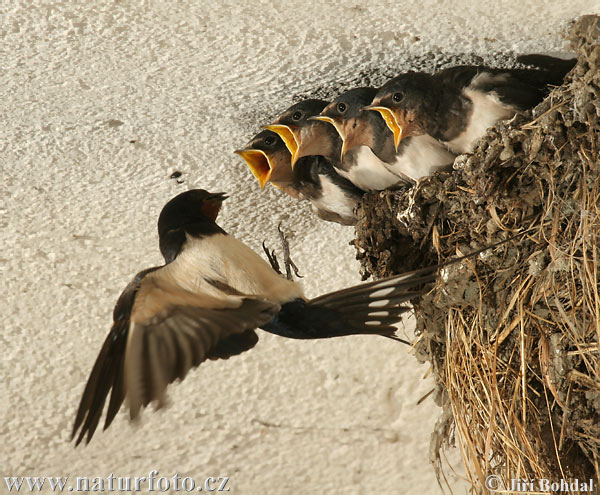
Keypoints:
pixel 189 82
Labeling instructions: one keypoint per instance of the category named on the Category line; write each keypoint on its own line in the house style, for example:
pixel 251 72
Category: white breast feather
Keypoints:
pixel 421 157
pixel 223 258
pixel 370 172
pixel 334 199
pixel 486 111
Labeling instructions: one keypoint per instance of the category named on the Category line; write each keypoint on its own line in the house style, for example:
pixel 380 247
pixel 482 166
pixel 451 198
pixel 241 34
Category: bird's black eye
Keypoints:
pixel 269 140
pixel 297 115
pixel 398 97
pixel 341 107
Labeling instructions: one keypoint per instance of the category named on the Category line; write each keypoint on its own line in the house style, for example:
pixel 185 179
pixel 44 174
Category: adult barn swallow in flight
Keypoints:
pixel 333 198
pixel 457 105
pixel 206 301
pixel 415 157
pixel 313 137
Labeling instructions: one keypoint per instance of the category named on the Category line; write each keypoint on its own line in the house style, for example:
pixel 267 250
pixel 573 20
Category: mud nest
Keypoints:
pixel 512 335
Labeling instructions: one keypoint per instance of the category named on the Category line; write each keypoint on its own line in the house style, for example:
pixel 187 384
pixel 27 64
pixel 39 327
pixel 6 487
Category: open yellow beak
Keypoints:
pixel 338 127
pixel 289 137
pixel 391 120
pixel 259 164
pixel 333 122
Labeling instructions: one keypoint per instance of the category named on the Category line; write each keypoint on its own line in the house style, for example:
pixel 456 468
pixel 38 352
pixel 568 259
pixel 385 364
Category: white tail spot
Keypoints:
pixel 382 292
pixel 373 323
pixel 379 304
pixel 380 313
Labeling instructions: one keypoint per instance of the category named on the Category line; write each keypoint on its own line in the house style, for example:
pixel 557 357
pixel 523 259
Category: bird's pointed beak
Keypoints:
pixel 211 206
pixel 344 150
pixel 354 135
pixel 391 119
pixel 289 136
pixel 338 127
pixel 295 157
pixel 259 164
pixel 334 122
pixel 218 196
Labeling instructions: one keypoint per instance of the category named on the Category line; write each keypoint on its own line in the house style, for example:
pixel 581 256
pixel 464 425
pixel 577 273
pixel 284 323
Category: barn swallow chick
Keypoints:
pixel 261 162
pixel 206 301
pixel 333 198
pixel 414 158
pixel 314 137
pixel 457 105
pixel 288 125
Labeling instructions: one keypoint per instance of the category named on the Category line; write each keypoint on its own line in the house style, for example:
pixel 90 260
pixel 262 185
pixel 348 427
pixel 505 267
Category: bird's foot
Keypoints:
pixel 287 260
pixel 272 258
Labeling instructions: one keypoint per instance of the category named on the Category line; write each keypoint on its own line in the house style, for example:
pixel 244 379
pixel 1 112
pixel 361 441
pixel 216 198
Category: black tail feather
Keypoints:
pixel 369 308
